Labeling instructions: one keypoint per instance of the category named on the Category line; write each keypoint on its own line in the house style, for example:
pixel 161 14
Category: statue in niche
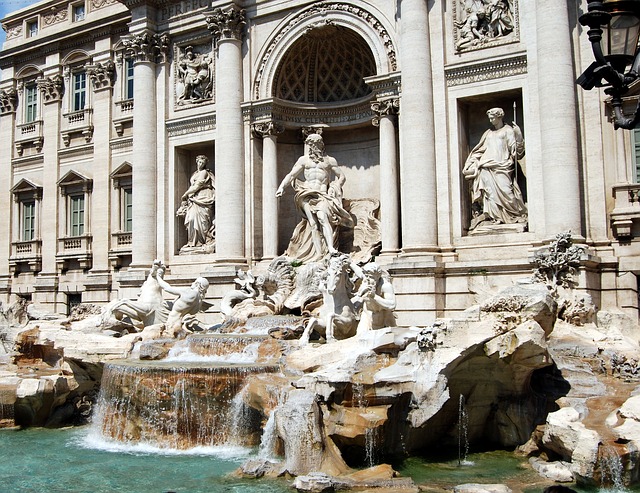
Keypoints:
pixel 484 21
pixel 197 208
pixel 496 198
pixel 377 298
pixel 319 198
pixel 195 74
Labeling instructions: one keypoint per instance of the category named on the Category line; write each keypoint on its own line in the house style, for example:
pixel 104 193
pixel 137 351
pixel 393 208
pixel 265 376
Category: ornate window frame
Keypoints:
pixel 24 250
pixel 77 121
pixel 121 238
pixel 70 246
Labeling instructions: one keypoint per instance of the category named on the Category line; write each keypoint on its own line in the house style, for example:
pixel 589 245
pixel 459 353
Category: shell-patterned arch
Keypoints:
pixel 373 28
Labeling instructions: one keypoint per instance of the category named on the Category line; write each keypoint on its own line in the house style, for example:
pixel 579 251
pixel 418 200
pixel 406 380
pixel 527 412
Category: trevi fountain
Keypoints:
pixel 307 381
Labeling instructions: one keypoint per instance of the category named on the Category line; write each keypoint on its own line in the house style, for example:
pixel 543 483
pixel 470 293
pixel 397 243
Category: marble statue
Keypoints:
pixel 337 316
pixel 147 310
pixel 188 303
pixel 194 72
pixel 484 21
pixel 319 198
pixel 378 299
pixel 197 208
pixel 495 195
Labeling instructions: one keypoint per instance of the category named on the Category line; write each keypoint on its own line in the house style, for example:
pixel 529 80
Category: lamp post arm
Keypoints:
pixel 620 121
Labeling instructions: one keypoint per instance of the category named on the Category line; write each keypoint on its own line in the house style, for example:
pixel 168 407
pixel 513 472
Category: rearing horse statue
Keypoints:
pixel 337 317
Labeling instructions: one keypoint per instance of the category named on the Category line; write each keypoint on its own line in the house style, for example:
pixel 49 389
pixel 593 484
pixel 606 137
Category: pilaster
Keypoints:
pixel 102 76
pixel 8 103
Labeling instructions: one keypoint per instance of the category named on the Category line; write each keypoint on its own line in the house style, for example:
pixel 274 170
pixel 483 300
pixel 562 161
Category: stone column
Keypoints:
pixel 558 134
pixel 417 132
pixel 269 132
pixel 385 118
pixel 8 103
pixel 226 25
pixel 146 48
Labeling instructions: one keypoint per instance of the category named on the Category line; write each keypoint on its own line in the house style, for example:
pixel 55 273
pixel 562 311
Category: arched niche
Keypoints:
pixel 367 24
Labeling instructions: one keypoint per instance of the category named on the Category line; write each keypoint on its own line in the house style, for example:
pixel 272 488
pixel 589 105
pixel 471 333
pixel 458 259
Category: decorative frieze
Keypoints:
pixel 98 4
pixel 52 88
pixel 55 16
pixel 147 46
pixel 8 101
pixel 194 125
pixel 386 107
pixel 226 23
pixel 102 75
pixel 294 115
pixel 14 31
pixel 495 69
pixel 264 129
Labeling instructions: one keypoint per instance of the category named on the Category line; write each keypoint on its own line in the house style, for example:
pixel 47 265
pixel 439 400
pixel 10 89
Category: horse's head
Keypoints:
pixel 336 271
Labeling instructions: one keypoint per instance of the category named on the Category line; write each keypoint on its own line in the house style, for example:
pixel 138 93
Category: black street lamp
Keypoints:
pixel 614 27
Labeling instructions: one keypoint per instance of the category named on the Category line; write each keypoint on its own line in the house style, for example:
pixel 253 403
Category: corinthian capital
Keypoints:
pixel 147 46
pixel 102 75
pixel 264 129
pixel 8 101
pixel 386 107
pixel 52 88
pixel 226 23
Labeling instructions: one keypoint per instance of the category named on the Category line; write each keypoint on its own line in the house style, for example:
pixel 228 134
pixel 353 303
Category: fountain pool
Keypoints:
pixel 71 460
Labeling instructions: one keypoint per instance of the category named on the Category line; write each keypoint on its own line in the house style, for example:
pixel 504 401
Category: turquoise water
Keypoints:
pixel 72 460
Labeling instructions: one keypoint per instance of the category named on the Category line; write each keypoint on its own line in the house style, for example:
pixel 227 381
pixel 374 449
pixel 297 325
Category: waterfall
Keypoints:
pixel 268 441
pixel 176 407
pixel 611 470
pixel 463 431
pixel 370 434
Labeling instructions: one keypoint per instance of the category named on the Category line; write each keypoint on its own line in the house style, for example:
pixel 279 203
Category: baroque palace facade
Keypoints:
pixel 105 105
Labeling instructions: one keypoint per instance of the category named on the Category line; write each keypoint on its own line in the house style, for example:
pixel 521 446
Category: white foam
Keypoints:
pixel 94 441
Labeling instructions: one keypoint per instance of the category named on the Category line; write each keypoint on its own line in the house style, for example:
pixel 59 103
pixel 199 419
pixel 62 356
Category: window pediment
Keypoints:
pixel 74 181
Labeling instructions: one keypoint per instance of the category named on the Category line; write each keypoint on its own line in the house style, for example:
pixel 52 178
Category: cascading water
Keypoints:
pixel 173 407
pixel 370 434
pixel 611 470
pixel 463 431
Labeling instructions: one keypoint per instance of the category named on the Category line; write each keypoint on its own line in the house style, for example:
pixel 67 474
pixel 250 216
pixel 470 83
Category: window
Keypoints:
pixel 127 210
pixel 28 220
pixel 128 90
pixel 76 207
pixel 31 103
pixel 79 94
pixel 32 28
pixel 78 12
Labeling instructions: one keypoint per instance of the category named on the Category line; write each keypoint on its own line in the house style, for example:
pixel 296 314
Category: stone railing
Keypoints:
pixel 29 134
pixel 27 253
pixel 625 217
pixel 74 248
pixel 77 122
pixel 121 247
pixel 123 115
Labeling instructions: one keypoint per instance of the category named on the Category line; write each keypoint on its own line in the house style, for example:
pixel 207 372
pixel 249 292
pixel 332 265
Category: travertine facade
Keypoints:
pixel 105 104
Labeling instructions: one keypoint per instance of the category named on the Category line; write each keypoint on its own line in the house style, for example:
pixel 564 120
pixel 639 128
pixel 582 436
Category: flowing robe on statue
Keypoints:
pixel 198 214
pixel 301 246
pixel 491 166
